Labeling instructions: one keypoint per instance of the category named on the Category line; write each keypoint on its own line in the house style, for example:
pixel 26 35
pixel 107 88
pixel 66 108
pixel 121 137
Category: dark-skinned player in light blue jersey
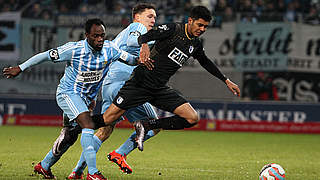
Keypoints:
pixel 143 15
pixel 87 64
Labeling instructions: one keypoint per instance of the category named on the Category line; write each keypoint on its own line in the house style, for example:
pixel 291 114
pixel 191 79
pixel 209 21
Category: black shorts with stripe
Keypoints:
pixel 132 95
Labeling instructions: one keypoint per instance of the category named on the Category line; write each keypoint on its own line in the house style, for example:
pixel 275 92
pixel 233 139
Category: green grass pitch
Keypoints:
pixel 169 155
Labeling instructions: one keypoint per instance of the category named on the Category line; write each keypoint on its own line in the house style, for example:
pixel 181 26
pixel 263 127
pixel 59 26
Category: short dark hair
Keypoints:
pixel 91 22
pixel 139 8
pixel 202 12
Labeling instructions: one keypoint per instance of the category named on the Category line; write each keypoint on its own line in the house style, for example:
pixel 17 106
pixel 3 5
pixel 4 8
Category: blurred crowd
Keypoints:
pixel 307 11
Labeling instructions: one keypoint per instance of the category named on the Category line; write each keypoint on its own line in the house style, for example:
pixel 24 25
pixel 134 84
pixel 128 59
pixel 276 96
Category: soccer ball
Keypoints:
pixel 272 172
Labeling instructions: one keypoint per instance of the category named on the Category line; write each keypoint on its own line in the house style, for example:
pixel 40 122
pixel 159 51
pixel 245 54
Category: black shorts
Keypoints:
pixel 132 95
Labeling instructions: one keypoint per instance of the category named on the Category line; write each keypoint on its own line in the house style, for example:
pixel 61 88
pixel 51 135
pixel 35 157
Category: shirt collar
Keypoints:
pixel 186 32
pixel 89 49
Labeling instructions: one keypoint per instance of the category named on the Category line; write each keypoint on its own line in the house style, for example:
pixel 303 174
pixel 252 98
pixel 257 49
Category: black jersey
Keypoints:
pixel 171 50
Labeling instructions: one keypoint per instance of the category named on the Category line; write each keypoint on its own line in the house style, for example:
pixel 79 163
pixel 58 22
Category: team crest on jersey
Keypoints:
pixel 191 49
pixel 135 33
pixel 178 56
pixel 54 55
pixel 119 100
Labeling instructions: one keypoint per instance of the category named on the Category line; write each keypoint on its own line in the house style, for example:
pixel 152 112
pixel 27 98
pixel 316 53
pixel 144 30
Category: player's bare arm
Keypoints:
pixel 11 72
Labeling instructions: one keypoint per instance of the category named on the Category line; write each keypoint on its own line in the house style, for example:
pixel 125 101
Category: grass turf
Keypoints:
pixel 170 155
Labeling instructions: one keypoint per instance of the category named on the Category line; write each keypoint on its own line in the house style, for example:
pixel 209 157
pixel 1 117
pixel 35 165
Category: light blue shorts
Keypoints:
pixel 71 104
pixel 143 112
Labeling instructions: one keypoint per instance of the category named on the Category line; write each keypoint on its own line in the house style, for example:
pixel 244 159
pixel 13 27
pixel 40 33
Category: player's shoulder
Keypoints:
pixel 109 44
pixel 137 27
pixel 197 41
pixel 166 27
pixel 71 45
pixel 180 25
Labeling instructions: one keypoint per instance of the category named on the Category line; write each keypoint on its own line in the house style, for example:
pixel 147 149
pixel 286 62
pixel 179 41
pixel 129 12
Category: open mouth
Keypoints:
pixel 199 33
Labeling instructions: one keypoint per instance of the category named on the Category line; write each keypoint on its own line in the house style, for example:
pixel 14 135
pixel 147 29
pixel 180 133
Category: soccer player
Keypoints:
pixel 143 15
pixel 175 43
pixel 87 64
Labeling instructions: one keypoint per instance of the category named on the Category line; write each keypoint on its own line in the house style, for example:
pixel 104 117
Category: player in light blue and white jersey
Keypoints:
pixel 87 64
pixel 143 20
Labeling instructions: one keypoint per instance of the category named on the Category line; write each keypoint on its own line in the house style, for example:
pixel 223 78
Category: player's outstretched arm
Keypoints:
pixel 211 67
pixel 11 72
pixel 233 87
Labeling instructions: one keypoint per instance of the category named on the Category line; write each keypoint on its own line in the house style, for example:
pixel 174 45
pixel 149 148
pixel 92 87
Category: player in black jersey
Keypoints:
pixel 175 43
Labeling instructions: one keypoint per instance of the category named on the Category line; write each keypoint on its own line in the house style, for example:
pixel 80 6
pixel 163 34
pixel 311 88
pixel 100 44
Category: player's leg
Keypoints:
pixel 169 100
pixel 100 136
pixel 77 109
pixel 185 117
pixel 143 112
pixel 67 138
pixel 119 156
pixel 130 95
pixel 103 133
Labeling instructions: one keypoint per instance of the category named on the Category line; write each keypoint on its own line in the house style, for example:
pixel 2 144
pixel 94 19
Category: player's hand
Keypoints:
pixel 144 57
pixel 233 87
pixel 11 72
pixel 148 63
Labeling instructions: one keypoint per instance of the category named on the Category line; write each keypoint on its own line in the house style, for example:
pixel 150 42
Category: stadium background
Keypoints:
pixel 271 49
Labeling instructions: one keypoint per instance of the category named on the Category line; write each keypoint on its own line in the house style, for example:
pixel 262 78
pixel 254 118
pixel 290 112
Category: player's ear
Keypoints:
pixel 87 34
pixel 137 17
pixel 190 20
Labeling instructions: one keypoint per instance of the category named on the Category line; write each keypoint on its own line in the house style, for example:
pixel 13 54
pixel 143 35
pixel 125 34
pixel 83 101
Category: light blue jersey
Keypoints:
pixel 85 67
pixel 126 40
pixel 84 72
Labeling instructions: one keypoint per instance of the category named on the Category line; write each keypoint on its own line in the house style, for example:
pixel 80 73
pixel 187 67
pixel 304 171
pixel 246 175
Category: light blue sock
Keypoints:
pixel 131 144
pixel 49 160
pixel 82 163
pixel 87 143
pixel 97 143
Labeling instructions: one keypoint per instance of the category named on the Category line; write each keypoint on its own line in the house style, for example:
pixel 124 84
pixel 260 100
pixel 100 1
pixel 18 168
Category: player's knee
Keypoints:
pixel 68 136
pixel 85 121
pixel 193 118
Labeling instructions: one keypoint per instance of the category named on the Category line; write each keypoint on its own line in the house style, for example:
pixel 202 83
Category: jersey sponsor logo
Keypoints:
pixel 54 55
pixel 89 76
pixel 191 49
pixel 178 56
pixel 135 33
pixel 119 100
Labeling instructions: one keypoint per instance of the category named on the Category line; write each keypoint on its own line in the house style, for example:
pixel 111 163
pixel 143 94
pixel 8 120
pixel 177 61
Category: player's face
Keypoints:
pixel 147 18
pixel 96 37
pixel 197 27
